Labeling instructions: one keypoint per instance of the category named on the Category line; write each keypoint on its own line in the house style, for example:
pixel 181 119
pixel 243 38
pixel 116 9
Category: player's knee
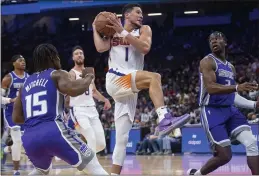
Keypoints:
pixel 122 141
pixel 225 158
pixel 16 135
pixel 251 146
pixel 100 145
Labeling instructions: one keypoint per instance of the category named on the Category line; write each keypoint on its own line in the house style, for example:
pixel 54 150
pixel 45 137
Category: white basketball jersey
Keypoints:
pixel 124 56
pixel 86 99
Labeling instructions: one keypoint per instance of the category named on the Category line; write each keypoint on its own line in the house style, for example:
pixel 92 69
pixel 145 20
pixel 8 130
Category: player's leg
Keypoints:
pixel 37 151
pixel 241 131
pixel 123 125
pixel 152 81
pixel 213 122
pixel 86 130
pixel 99 133
pixel 16 148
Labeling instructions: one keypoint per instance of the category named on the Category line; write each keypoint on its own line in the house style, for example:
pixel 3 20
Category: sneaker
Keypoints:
pixel 16 173
pixel 169 123
pixel 191 171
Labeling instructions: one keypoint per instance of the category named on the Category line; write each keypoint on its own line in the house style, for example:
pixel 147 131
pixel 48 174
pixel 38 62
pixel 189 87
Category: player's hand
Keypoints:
pixel 247 87
pixel 115 23
pixel 13 100
pixel 107 104
pixel 88 71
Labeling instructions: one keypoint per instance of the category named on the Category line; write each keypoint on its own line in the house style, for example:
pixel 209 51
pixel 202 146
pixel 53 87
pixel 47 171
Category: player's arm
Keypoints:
pixel 207 68
pixel 6 82
pixel 97 95
pixel 67 97
pixel 241 101
pixel 71 87
pixel 17 115
pixel 101 44
pixel 143 43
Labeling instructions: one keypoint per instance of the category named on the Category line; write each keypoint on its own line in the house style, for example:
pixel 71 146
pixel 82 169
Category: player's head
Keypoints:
pixel 18 62
pixel 133 14
pixel 217 41
pixel 78 55
pixel 45 56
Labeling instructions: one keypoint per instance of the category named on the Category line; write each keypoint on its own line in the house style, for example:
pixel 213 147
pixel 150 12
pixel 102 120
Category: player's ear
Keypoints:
pixel 126 15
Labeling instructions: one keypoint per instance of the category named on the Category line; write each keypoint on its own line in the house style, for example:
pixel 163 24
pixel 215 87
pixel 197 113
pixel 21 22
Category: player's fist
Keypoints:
pixel 13 100
pixel 247 87
pixel 88 71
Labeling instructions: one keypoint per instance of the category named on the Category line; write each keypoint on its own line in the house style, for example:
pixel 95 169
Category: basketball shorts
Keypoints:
pixel 223 124
pixel 83 116
pixel 55 138
pixel 8 121
pixel 122 88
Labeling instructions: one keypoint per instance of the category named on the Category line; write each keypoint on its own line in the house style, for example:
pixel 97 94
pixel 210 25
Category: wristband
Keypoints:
pixel 124 33
pixel 236 87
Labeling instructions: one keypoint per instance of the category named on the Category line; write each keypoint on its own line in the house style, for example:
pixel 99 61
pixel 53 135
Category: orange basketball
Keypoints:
pixel 101 22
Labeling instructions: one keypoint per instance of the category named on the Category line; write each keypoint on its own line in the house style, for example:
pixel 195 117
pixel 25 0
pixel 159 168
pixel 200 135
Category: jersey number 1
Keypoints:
pixel 32 101
pixel 127 54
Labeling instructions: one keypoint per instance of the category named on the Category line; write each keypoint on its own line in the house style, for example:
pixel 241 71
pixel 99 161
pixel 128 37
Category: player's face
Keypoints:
pixel 135 16
pixel 20 64
pixel 78 57
pixel 217 43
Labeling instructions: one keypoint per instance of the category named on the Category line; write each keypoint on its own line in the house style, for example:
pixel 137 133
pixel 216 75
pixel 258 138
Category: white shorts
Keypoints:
pixel 122 88
pixel 82 115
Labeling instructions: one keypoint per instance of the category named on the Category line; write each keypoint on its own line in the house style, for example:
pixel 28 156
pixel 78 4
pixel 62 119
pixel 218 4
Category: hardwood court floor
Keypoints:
pixel 143 165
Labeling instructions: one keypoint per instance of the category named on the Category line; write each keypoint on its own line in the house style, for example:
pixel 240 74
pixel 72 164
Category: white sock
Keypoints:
pixel 114 174
pixel 14 171
pixel 161 111
pixel 198 172
pixel 95 168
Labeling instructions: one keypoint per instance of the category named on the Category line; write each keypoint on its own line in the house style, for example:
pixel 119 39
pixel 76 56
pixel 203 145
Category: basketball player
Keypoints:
pixel 39 106
pixel 11 84
pixel 126 78
pixel 221 120
pixel 83 112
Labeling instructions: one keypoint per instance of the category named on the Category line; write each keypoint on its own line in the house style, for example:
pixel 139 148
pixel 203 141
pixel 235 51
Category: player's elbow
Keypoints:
pixel 101 50
pixel 145 50
pixel 211 90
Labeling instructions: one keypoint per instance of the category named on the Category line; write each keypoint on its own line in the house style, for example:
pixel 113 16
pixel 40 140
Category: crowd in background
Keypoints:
pixel 175 54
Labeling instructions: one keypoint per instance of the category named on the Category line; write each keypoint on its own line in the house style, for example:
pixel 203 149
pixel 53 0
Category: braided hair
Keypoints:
pixel 43 55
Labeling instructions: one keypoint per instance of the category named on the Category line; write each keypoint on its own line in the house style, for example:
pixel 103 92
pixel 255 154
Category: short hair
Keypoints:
pixel 128 8
pixel 76 47
pixel 218 33
pixel 15 57
pixel 42 55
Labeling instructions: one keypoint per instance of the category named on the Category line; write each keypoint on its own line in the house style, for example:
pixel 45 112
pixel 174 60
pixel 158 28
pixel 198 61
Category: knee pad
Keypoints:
pixel 100 145
pixel 250 142
pixel 122 140
pixel 16 134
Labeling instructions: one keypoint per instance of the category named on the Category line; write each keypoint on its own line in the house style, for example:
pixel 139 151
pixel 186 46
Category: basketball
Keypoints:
pixel 101 22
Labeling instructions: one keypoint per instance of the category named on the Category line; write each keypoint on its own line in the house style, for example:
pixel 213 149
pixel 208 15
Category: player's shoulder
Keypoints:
pixel 146 28
pixel 207 61
pixel 6 81
pixel 7 77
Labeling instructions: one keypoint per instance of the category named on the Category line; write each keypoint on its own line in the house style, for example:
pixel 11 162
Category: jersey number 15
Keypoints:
pixel 33 100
